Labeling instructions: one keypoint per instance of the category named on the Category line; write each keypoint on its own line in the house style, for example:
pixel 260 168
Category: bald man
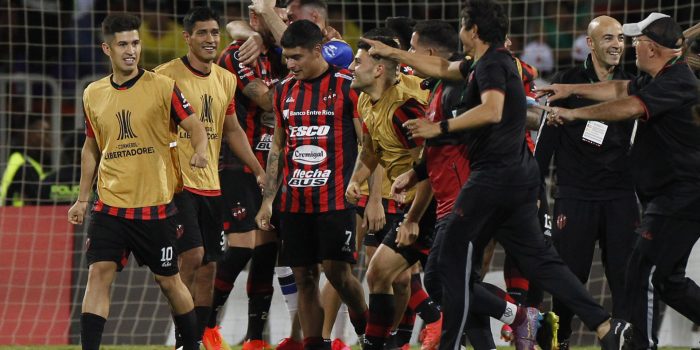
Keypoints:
pixel 594 200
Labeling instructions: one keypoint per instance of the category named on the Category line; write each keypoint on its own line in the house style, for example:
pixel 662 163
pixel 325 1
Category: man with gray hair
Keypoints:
pixel 665 161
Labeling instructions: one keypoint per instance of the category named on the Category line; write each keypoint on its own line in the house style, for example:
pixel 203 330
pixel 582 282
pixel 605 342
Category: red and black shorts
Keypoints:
pixel 113 238
pixel 242 199
pixel 199 220
pixel 392 212
pixel 310 238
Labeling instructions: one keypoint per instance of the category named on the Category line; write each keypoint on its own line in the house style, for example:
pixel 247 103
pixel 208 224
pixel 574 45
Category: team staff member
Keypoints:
pixel 242 196
pixel 500 198
pixel 199 205
pixel 315 145
pixel 665 163
pixel 131 119
pixel 595 201
pixel 387 100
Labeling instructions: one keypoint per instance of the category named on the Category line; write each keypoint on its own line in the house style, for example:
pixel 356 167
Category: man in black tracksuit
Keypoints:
pixel 665 163
pixel 595 200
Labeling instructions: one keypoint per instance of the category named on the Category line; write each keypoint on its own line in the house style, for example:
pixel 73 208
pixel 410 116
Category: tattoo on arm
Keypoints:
pixel 258 91
pixel 275 163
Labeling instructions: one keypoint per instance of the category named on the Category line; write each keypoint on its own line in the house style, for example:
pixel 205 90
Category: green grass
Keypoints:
pixel 159 347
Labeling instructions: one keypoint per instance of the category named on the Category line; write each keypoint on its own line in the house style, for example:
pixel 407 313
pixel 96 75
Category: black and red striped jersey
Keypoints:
pixel 318 118
pixel 258 130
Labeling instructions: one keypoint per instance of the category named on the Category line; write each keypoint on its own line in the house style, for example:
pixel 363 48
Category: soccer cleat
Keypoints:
pixel 563 345
pixel 507 333
pixel 430 335
pixel 212 339
pixel 618 337
pixel 525 332
pixel 256 344
pixel 289 344
pixel 338 344
pixel 406 346
pixel 547 334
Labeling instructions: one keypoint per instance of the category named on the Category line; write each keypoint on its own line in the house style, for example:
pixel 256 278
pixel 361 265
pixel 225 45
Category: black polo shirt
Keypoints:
pixel 592 158
pixel 498 153
pixel 666 154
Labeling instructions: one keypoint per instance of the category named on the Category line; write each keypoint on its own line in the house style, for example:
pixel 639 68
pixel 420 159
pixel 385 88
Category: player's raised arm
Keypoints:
pixel 432 66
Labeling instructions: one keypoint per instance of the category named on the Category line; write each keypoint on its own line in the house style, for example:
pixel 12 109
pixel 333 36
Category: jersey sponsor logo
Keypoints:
pixel 344 76
pixel 309 155
pixel 239 212
pixel 289 99
pixel 205 115
pixel 265 143
pixel 311 113
pixel 309 178
pixel 561 221
pixel 125 131
pixel 309 131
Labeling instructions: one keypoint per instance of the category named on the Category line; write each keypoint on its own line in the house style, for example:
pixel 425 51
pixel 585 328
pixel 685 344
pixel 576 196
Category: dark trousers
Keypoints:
pixel 509 215
pixel 657 271
pixel 576 227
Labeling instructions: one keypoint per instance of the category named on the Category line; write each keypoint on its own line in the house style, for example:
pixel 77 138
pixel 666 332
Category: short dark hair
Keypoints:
pixel 199 14
pixel 403 26
pixel 437 34
pixel 119 22
pixel 302 33
pixel 384 35
pixel 490 19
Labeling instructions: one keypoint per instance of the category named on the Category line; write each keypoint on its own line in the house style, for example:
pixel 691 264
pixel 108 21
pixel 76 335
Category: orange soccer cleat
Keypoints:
pixel 256 344
pixel 289 344
pixel 212 339
pixel 430 335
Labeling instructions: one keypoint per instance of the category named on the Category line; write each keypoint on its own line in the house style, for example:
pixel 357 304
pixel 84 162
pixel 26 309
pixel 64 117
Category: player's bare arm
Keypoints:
pixel 238 143
pixel 602 91
pixel 258 91
pixel 199 141
pixel 253 46
pixel 432 66
pixel 374 218
pixel 89 160
pixel 409 229
pixel 364 165
pixel 275 162
pixel 488 112
pixel 266 10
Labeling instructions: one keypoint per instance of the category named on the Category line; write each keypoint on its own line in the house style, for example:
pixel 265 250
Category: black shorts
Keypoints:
pixel 308 239
pixel 392 213
pixel 112 238
pixel 242 199
pixel 420 249
pixel 199 217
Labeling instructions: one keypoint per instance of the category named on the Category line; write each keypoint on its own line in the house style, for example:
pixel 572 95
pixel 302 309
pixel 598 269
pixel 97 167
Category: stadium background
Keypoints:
pixel 49 51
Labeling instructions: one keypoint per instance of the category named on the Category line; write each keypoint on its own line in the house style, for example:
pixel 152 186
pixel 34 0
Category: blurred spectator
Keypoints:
pixel 26 167
pixel 161 35
pixel 580 50
pixel 539 55
pixel 403 27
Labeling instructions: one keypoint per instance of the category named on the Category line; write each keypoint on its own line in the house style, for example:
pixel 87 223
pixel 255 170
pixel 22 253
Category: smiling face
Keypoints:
pixel 124 50
pixel 204 40
pixel 301 62
pixel 363 69
pixel 606 41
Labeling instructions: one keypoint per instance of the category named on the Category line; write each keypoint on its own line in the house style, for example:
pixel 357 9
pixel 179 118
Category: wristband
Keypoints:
pixel 444 127
pixel 421 170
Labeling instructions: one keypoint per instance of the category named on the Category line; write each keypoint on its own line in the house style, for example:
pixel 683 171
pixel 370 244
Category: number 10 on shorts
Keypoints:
pixel 166 256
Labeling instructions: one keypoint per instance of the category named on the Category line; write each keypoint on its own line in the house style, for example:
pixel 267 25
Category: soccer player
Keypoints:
pixel 199 205
pixel 594 201
pixel 242 197
pixel 665 160
pixel 315 144
pixel 499 199
pixel 387 101
pixel 131 119
pixel 335 50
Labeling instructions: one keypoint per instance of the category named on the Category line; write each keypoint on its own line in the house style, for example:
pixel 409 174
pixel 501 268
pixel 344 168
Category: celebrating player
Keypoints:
pixel 315 145
pixel 131 119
